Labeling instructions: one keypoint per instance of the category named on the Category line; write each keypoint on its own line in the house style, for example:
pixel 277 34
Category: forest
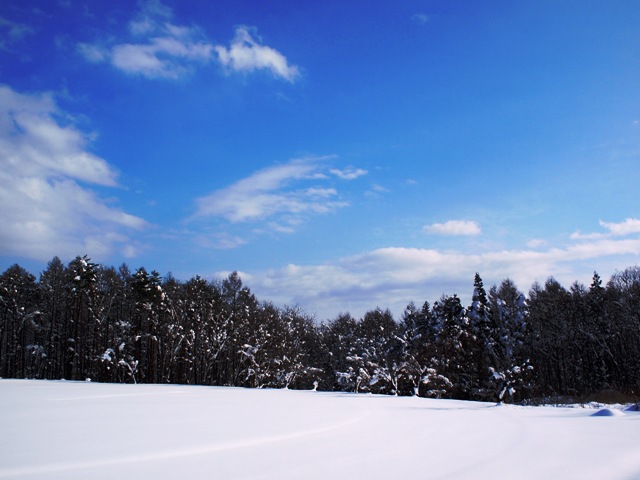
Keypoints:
pixel 86 321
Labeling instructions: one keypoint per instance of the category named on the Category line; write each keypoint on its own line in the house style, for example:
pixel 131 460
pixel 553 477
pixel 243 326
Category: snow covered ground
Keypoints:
pixel 68 430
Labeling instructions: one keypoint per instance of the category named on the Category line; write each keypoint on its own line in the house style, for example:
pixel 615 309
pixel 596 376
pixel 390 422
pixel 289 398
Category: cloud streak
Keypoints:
pixel 628 227
pixel 161 57
pixel 420 19
pixel 160 49
pixel 454 228
pixel 276 194
pixel 12 33
pixel 349 173
pixel 247 54
pixel 48 207
pixel 394 276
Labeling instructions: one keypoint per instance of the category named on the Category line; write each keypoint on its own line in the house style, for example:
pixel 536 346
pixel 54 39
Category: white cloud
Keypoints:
pixel 349 173
pixel 621 229
pixel 379 188
pixel 143 59
pixel 454 227
pixel 92 53
pixel 392 277
pixel 628 227
pixel 246 54
pixel 280 228
pixel 162 57
pixel 158 48
pixel 45 166
pixel 164 50
pixel 587 236
pixel 220 241
pixel 321 192
pixel 536 243
pixel 375 191
pixel 273 193
pixel 152 12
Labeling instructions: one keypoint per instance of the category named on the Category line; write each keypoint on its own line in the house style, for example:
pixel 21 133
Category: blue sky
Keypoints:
pixel 339 155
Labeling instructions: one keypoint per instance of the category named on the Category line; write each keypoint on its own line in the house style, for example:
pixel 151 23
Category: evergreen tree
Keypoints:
pixel 83 277
pixel 90 321
pixel 511 369
pixel 108 309
pixel 599 337
pixel 482 343
pixel 19 323
pixel 623 306
pixel 418 339
pixel 549 339
pixel 453 364
pixel 53 307
pixel 341 339
pixel 141 361
pixel 295 349
pixel 380 351
pixel 245 331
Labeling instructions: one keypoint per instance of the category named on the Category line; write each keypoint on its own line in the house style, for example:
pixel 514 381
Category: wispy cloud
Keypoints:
pixel 279 194
pixel 219 241
pixel 379 188
pixel 12 32
pixel 167 57
pixel 151 14
pixel 391 277
pixel 160 49
pixel 376 190
pixel 349 173
pixel 48 208
pixel 536 243
pixel 420 18
pixel 247 54
pixel 627 227
pixel 453 227
pixel 93 53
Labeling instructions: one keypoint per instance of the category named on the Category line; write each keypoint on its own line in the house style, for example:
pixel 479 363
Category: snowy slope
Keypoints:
pixel 67 430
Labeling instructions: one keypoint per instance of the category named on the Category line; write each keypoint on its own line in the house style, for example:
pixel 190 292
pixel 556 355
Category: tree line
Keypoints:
pixel 88 321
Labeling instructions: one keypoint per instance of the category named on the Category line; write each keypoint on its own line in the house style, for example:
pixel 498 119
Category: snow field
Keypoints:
pixel 70 430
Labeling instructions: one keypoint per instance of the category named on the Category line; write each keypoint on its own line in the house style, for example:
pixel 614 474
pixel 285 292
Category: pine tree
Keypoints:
pixel 341 339
pixel 453 362
pixel 418 339
pixel 141 363
pixel 80 361
pixel 380 351
pixel 54 300
pixel 599 337
pixel 549 337
pixel 19 321
pixel 482 343
pixel 623 305
pixel 511 369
